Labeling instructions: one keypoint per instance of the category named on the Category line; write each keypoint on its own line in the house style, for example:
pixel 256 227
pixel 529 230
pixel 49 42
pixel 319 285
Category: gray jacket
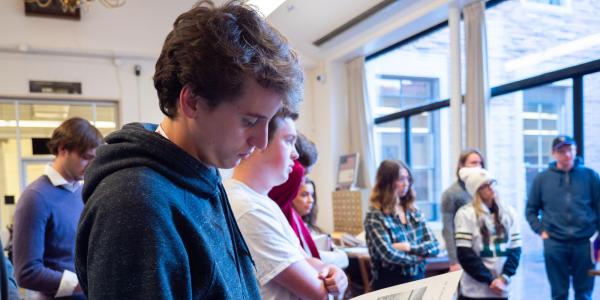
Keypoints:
pixel 453 198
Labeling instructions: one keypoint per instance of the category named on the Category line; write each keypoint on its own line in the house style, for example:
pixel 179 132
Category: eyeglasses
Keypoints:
pixel 404 178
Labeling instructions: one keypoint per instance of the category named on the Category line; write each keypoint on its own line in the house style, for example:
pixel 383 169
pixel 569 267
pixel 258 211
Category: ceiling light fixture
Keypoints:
pixel 73 5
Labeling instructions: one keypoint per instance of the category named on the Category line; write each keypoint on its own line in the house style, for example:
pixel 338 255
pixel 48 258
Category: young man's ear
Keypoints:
pixel 61 150
pixel 190 103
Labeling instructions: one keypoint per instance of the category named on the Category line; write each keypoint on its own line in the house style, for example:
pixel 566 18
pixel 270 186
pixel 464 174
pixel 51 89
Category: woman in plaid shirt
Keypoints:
pixel 397 236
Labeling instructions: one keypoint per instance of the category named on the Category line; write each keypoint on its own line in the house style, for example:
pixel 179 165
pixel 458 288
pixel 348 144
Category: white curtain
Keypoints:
pixel 360 121
pixel 477 84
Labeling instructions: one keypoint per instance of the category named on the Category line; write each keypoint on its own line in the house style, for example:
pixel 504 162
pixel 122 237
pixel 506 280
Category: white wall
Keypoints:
pixel 101 78
pixel 136 29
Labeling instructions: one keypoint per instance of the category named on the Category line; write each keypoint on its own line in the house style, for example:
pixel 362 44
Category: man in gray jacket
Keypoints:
pixel 568 196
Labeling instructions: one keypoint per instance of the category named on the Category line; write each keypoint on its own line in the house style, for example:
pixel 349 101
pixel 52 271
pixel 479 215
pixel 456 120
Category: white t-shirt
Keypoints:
pixel 273 244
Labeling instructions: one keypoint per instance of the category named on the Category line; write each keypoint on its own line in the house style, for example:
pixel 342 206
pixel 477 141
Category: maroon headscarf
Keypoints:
pixel 284 196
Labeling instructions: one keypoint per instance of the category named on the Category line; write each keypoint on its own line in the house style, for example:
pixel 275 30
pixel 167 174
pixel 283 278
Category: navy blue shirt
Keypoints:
pixel 44 235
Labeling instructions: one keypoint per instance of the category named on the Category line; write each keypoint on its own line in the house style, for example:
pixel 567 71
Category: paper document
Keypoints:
pixel 441 287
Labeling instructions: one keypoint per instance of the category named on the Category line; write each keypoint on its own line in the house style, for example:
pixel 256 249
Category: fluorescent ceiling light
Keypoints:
pixel 266 7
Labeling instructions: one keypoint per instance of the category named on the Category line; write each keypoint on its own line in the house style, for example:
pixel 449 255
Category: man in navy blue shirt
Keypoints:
pixel 567 195
pixel 48 211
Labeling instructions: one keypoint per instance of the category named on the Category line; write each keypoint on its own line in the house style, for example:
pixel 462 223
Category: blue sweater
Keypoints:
pixel 44 235
pixel 569 203
pixel 157 225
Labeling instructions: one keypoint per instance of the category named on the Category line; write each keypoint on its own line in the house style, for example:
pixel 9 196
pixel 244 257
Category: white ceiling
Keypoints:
pixel 139 27
pixel 305 21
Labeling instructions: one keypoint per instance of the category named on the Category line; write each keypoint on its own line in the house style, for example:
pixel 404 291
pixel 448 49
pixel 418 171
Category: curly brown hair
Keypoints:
pixel 214 50
pixel 307 151
pixel 75 134
pixel 383 196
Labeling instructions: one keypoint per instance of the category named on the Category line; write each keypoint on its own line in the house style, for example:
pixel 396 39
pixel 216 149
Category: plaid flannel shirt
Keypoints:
pixel 383 230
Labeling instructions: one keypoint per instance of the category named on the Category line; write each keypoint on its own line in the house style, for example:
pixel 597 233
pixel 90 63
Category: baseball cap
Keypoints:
pixel 562 140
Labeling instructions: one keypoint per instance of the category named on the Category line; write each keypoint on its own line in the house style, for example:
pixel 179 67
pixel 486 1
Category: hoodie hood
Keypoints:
pixel 138 145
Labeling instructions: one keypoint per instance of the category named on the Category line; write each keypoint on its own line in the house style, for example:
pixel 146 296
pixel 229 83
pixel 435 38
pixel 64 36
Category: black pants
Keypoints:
pixel 387 278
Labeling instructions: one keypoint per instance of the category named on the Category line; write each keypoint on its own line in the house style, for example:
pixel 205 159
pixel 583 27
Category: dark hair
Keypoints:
pixel 462 159
pixel 282 114
pixel 307 151
pixel 75 134
pixel 383 196
pixel 310 219
pixel 214 50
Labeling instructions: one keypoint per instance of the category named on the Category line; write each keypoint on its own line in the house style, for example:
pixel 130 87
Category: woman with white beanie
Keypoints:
pixel 488 239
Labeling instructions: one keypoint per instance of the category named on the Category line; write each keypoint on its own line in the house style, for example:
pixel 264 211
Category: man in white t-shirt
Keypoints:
pixel 283 269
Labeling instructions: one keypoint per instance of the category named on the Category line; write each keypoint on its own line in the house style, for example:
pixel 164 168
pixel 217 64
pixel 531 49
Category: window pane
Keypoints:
pixel 532 37
pixel 522 127
pixel 411 75
pixel 591 121
pixel 430 159
pixel 38 120
pixel 389 141
pixel 106 118
pixel 425 161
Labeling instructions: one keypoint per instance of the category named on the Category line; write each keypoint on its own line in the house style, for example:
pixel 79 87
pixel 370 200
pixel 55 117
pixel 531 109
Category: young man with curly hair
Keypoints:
pixel 157 223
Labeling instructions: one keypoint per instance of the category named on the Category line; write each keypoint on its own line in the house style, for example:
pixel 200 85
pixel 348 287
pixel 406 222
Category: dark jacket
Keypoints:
pixel 157 225
pixel 8 284
pixel 569 203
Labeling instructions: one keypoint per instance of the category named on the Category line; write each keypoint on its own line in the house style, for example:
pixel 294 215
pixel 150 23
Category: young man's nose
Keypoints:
pixel 259 139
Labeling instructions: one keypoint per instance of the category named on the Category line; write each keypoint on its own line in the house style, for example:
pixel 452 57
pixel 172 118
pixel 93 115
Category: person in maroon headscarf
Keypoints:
pixel 284 196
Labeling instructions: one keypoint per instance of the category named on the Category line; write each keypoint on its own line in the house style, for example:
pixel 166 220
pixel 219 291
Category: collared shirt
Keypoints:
pixel 69 281
pixel 383 230
pixel 58 180
pixel 162 132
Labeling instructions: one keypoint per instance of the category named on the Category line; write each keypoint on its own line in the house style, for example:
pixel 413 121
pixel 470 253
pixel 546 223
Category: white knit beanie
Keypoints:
pixel 474 178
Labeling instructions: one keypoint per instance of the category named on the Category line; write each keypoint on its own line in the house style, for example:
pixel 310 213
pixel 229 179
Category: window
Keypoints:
pixel 404 78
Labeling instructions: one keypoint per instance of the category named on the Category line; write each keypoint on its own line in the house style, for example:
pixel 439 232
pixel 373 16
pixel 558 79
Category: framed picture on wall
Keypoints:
pixel 347 171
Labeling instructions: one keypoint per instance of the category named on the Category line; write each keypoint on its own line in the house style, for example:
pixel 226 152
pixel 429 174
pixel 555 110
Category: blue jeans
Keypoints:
pixel 566 260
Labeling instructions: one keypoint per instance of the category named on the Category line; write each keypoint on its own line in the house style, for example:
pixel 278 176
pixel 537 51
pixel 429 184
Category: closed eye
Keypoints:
pixel 249 121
